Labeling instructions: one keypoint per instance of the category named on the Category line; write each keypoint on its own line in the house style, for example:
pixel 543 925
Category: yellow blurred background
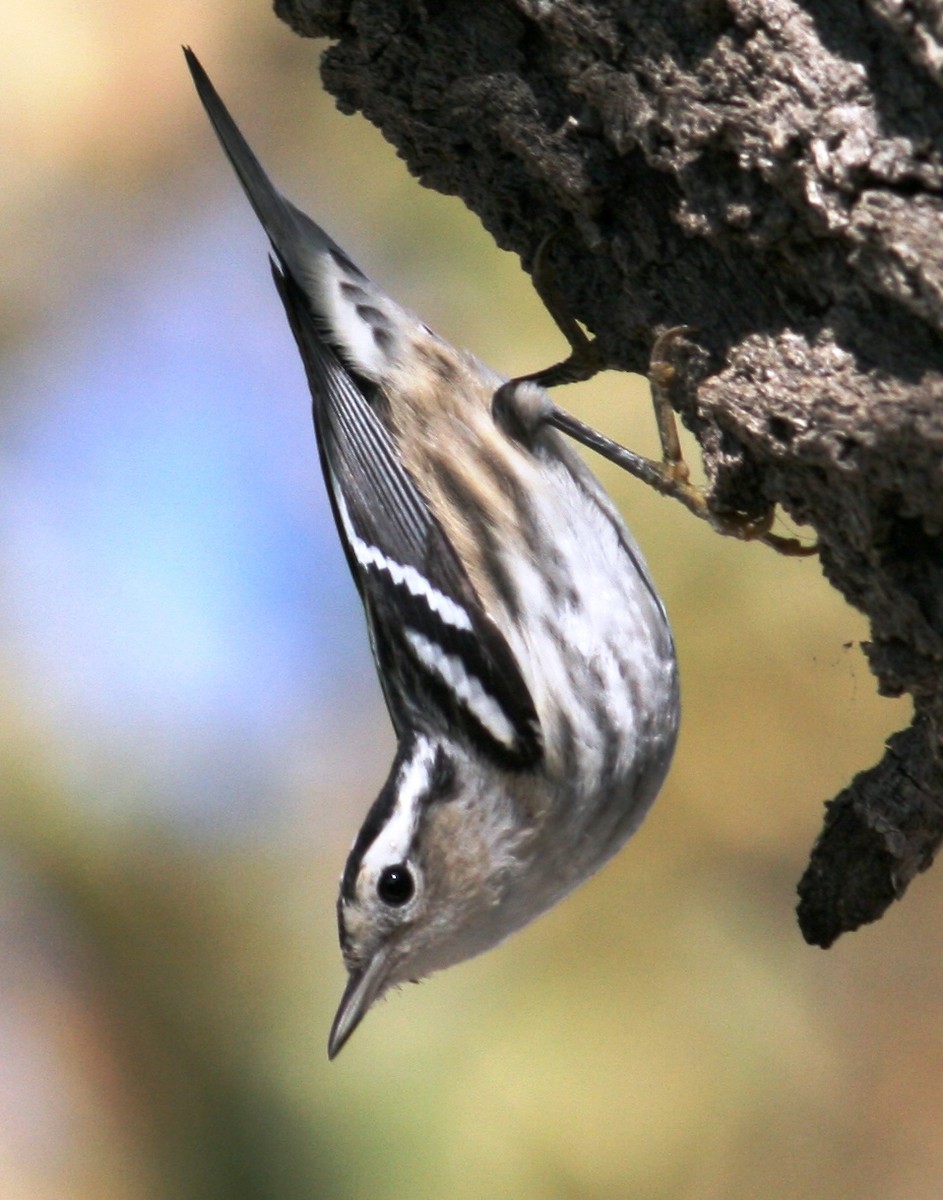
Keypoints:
pixel 190 728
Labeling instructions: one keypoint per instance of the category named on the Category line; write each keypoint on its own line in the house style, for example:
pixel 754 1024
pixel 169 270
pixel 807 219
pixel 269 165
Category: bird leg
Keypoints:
pixel 671 476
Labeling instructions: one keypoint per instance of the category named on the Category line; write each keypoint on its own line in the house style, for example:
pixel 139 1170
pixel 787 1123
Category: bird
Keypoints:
pixel 524 654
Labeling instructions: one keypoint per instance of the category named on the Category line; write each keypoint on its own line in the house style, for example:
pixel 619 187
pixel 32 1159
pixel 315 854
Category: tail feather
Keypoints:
pixel 294 236
pixel 363 325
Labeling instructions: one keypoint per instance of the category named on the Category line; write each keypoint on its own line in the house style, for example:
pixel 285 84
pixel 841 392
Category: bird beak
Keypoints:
pixel 363 987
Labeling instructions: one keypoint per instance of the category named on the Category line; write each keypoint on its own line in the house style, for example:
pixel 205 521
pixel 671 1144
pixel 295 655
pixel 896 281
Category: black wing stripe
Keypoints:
pixel 459 647
pixel 413 586
pixel 374 562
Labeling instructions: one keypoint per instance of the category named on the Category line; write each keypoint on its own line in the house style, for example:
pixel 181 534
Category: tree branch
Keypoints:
pixel 770 173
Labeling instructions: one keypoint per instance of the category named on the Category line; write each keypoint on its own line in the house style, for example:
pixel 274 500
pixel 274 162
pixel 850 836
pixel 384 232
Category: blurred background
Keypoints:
pixel 191 731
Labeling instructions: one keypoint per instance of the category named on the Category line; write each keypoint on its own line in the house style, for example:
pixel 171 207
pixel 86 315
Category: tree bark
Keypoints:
pixel 769 172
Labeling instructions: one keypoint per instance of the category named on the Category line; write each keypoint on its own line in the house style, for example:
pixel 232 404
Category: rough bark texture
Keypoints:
pixel 769 172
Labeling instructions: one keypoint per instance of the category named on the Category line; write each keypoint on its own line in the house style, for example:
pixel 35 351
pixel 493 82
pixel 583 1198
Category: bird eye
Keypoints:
pixel 396 885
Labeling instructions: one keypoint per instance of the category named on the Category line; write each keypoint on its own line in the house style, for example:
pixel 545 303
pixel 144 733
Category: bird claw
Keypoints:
pixel 671 476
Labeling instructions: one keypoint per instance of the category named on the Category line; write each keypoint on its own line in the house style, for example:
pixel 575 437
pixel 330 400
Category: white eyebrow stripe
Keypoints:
pixel 393 842
pixel 403 575
pixel 467 688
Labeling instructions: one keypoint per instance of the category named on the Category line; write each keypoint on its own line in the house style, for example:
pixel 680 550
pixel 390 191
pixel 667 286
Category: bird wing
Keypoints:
pixel 434 642
pixel 437 648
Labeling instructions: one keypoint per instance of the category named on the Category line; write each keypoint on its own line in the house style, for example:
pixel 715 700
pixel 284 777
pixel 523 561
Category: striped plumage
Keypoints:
pixel 525 657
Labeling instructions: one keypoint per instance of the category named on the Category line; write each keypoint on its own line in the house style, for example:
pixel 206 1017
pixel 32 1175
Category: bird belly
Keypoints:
pixel 597 653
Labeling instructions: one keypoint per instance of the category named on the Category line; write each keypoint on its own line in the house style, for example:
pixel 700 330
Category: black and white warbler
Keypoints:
pixel 524 654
